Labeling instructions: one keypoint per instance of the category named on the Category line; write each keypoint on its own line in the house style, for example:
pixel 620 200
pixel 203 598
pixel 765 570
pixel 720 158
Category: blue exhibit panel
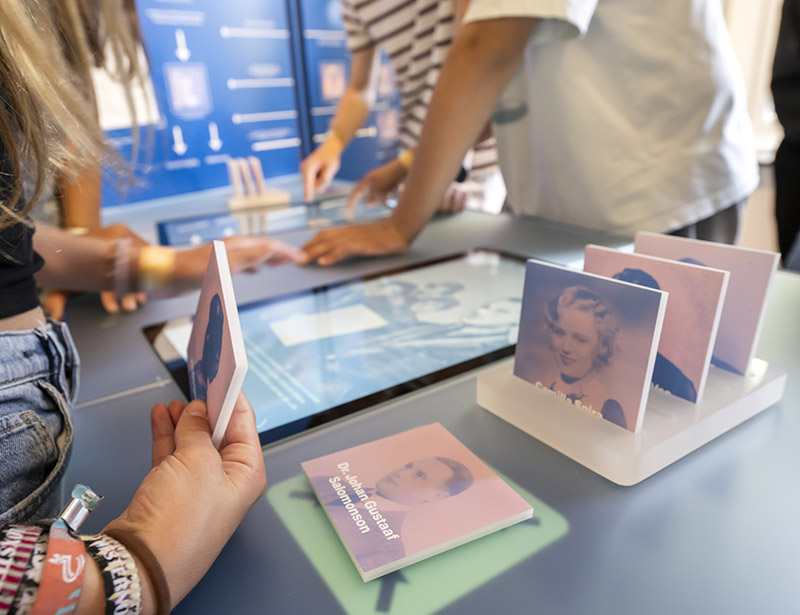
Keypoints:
pixel 326 67
pixel 225 86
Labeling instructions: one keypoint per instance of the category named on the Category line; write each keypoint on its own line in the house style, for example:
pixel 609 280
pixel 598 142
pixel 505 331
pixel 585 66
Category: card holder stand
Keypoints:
pixel 672 427
pixel 249 188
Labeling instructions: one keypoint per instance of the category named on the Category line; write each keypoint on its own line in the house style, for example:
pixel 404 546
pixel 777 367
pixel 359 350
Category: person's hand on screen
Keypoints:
pixel 249 253
pixel 381 183
pixel 190 503
pixel 377 185
pixel 373 239
pixel 320 167
pixel 245 253
pixel 455 199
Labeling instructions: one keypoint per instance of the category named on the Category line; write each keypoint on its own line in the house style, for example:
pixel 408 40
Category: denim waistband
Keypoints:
pixel 45 352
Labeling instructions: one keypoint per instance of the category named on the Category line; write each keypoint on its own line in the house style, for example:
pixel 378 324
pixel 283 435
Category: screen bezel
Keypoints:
pixel 177 368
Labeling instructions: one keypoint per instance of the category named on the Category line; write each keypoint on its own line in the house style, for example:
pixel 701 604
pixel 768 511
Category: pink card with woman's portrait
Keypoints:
pixel 589 340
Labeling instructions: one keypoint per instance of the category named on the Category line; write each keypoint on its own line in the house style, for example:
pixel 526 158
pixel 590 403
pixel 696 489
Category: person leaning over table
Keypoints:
pixel 191 502
pixel 614 115
pixel 786 94
pixel 416 36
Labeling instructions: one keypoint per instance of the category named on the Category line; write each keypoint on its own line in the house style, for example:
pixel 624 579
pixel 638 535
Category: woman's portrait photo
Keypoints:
pixel 582 332
pixel 589 341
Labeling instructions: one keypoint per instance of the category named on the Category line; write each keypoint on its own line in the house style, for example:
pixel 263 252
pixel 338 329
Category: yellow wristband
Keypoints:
pixel 406 158
pixel 156 266
pixel 334 134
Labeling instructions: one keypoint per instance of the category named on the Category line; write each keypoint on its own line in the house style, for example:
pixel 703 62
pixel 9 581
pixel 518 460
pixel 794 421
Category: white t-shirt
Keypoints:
pixel 624 114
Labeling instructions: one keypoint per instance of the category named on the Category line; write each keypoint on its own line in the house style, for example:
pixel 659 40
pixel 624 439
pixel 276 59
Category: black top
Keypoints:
pixel 18 261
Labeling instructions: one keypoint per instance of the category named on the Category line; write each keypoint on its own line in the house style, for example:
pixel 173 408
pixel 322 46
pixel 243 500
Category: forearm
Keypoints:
pixel 80 199
pixel 481 62
pixel 351 114
pixel 484 134
pixel 79 262
pixel 354 106
pixel 74 262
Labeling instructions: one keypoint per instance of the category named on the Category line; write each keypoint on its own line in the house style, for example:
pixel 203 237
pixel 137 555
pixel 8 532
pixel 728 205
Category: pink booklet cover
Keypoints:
pixel 589 340
pixel 696 295
pixel 743 311
pixel 216 357
pixel 400 499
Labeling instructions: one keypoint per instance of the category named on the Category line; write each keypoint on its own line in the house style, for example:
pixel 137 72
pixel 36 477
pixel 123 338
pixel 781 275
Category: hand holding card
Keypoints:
pixel 216 357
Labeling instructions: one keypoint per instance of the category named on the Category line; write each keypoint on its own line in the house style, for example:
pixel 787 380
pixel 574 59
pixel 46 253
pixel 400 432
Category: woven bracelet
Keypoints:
pixel 120 576
pixel 158 580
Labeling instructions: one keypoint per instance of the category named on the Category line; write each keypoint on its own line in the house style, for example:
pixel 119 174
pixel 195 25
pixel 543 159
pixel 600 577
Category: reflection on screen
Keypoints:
pixel 318 350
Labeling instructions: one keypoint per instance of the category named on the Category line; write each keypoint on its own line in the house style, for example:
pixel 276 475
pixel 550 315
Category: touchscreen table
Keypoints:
pixel 324 353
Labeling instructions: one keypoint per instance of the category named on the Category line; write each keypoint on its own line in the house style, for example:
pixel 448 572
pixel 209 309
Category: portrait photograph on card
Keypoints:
pixel 751 273
pixel 589 340
pixel 696 296
pixel 400 499
pixel 216 359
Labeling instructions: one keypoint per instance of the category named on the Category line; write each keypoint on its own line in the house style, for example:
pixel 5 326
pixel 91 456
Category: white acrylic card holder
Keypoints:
pixel 249 188
pixel 672 427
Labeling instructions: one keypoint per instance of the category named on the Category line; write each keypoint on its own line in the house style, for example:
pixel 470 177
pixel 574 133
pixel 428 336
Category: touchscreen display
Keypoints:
pixel 323 353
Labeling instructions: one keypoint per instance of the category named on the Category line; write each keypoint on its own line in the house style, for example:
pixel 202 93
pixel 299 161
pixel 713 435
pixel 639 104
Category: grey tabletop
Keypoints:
pixel 713 533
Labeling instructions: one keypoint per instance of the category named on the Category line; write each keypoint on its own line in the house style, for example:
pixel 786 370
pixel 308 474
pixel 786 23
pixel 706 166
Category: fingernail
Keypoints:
pixel 196 408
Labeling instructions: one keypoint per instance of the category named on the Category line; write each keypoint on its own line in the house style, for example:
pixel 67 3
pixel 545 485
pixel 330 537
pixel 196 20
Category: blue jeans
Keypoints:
pixel 38 384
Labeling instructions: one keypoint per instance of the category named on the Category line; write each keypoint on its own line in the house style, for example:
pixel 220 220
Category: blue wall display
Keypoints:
pixel 326 65
pixel 243 78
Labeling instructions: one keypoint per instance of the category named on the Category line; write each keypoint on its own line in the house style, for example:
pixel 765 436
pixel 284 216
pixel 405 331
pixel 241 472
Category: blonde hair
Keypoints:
pixel 585 300
pixel 48 122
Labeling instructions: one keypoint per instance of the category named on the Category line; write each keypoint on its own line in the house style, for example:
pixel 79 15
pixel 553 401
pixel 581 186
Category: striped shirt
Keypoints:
pixel 416 35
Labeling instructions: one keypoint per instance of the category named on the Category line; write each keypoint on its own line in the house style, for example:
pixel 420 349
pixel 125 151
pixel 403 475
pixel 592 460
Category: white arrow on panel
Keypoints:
pixel 182 51
pixel 180 146
pixel 214 142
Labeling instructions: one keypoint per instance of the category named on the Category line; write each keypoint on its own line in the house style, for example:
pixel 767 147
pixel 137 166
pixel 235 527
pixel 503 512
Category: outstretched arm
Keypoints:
pixel 481 62
pixel 320 167
pixel 77 262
